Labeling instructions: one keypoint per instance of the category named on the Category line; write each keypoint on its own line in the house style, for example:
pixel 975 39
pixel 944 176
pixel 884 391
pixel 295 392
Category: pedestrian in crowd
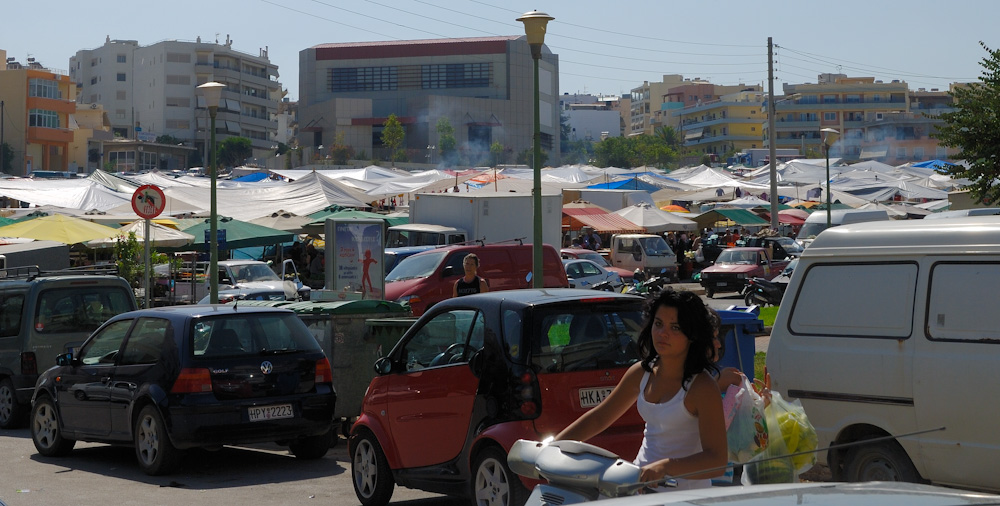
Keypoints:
pixel 675 392
pixel 470 283
pixel 591 240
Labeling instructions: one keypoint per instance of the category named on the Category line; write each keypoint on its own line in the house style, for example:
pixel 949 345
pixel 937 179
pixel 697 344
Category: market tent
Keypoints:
pixel 58 227
pixel 674 208
pixel 602 222
pixel 655 220
pixel 161 236
pixel 626 184
pixel 283 220
pixel 737 216
pixel 317 221
pixel 239 234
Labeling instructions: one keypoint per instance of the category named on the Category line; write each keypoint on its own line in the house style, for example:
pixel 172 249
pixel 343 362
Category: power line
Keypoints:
pixel 865 68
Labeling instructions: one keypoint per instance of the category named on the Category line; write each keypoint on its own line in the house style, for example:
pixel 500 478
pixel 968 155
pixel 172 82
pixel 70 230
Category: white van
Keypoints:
pixel 892 327
pixel 816 222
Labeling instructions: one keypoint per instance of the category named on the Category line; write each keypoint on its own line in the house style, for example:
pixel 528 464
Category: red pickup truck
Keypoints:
pixel 735 266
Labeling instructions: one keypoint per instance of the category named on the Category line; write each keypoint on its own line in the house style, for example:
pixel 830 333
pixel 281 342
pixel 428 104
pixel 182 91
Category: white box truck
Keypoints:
pixel 491 218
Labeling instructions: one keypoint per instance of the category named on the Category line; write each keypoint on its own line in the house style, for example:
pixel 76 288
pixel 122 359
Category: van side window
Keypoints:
pixel 950 315
pixel 876 302
pixel 79 309
pixel 10 315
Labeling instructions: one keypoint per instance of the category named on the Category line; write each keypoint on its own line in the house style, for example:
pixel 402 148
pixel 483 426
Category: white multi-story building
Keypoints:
pixel 150 91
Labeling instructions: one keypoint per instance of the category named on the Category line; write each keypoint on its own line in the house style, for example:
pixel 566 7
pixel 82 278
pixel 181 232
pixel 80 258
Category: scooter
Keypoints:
pixel 576 472
pixel 761 292
pixel 605 286
pixel 642 286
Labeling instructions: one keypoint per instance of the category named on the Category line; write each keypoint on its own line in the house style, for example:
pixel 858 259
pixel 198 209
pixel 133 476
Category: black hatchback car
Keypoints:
pixel 173 378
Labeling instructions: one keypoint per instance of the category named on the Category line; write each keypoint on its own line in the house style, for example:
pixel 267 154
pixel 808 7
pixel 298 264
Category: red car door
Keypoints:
pixel 430 401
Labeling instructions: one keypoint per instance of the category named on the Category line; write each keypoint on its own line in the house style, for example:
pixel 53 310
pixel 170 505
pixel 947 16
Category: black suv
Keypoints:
pixel 43 314
pixel 167 379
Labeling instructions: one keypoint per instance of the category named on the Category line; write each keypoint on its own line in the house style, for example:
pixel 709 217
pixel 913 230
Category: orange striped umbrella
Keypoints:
pixel 673 208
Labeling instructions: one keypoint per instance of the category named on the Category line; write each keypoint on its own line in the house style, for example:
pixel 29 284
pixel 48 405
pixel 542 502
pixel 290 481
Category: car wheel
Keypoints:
pixel 495 484
pixel 312 447
pixel 879 462
pixel 373 481
pixel 155 453
pixel 45 430
pixel 11 412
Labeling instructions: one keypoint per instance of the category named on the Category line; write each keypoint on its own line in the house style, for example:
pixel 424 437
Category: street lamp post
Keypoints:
pixel 534 28
pixel 829 137
pixel 213 92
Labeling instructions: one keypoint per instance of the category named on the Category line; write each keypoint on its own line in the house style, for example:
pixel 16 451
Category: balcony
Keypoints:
pixel 49 135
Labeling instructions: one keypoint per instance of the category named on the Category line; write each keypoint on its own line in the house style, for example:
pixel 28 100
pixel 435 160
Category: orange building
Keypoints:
pixel 38 104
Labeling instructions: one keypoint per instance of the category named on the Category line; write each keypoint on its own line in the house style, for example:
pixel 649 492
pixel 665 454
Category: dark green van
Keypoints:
pixel 44 314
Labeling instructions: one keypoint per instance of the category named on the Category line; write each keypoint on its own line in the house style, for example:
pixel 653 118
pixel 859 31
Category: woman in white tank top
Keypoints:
pixel 673 391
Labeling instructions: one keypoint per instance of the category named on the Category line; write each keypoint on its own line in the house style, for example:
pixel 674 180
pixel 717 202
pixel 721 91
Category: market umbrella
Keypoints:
pixel 584 204
pixel 239 234
pixel 283 220
pixel 655 220
pixel 58 227
pixel 161 236
pixel 674 208
pixel 318 219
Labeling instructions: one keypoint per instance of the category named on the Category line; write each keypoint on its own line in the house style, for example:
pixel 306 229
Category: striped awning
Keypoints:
pixel 601 222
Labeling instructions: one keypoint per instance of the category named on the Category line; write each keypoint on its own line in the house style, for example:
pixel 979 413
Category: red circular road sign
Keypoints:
pixel 148 201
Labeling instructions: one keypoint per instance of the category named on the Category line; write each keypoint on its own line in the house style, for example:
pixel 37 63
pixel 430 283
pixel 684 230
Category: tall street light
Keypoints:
pixel 534 29
pixel 829 138
pixel 212 91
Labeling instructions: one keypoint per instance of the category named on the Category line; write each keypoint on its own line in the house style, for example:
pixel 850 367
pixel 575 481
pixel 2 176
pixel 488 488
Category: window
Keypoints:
pixel 93 80
pixel 363 79
pixel 103 348
pixel 147 342
pixel 148 161
pixel 119 113
pixel 178 58
pixel 918 153
pixel 120 95
pixel 950 317
pixel 250 334
pixel 121 77
pixel 121 58
pixel 43 118
pixel 448 338
pixel 455 75
pixel 853 99
pixel 830 99
pixel 900 152
pixel 179 79
pixel 829 116
pixel 881 304
pixel 178 102
pixel 581 339
pixel 178 124
pixel 79 309
pixel 941 152
pixel 10 314
pixel 43 88
pixel 123 161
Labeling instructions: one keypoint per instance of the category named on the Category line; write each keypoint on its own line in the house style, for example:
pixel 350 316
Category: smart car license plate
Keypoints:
pixel 276 412
pixel 590 397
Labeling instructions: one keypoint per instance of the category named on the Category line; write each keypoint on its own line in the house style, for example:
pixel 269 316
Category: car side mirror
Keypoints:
pixel 448 271
pixel 64 359
pixel 383 366
pixel 477 363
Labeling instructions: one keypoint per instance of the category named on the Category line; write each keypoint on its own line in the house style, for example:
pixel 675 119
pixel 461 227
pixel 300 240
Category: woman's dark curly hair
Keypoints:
pixel 695 322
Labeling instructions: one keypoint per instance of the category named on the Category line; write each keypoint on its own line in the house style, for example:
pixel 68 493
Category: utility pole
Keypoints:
pixel 3 159
pixel 772 135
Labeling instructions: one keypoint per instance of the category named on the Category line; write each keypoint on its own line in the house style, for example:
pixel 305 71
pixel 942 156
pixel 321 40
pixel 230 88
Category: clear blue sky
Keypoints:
pixel 604 46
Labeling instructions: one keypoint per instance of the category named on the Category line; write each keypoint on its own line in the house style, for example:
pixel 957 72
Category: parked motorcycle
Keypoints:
pixel 576 472
pixel 642 286
pixel 761 292
pixel 606 286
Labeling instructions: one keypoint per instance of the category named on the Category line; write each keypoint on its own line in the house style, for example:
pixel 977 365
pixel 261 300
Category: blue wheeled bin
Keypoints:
pixel 740 326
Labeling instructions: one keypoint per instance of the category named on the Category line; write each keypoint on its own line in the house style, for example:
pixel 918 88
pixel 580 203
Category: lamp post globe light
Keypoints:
pixel 829 138
pixel 212 91
pixel 534 29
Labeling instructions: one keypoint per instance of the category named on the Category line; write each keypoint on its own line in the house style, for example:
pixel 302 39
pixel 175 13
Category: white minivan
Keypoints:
pixel 893 327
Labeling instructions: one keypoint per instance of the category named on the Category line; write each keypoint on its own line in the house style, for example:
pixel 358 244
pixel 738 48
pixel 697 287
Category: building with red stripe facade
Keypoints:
pixel 483 86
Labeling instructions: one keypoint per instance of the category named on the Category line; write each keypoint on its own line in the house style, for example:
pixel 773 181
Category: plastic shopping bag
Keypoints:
pixel 777 468
pixel 746 430
pixel 789 432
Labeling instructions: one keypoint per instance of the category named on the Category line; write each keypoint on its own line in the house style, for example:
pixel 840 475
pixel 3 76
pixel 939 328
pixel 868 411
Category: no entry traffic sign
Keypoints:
pixel 148 201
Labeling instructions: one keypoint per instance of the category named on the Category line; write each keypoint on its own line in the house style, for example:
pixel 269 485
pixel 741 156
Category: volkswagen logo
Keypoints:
pixel 266 367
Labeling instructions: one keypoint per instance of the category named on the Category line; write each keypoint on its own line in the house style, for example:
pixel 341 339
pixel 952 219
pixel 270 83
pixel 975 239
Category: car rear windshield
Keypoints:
pixel 79 308
pixel 250 334
pixel 583 337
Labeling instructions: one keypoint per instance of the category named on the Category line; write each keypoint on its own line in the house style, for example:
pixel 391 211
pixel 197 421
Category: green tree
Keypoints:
pixel 6 158
pixel 615 152
pixel 670 137
pixel 446 141
pixel 340 152
pixel 497 153
pixel 974 128
pixel 232 151
pixel 524 157
pixel 392 137
pixel 128 255
pixel 168 139
pixel 581 151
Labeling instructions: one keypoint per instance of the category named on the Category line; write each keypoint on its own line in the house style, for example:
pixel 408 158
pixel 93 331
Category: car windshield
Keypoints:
pixel 656 246
pixel 744 257
pixel 250 334
pixel 582 336
pixel 790 245
pixel 810 230
pixel 253 272
pixel 595 257
pixel 416 266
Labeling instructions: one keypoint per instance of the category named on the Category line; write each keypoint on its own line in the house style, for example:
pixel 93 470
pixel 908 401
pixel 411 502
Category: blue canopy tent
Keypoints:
pixel 252 178
pixel 626 184
pixel 938 165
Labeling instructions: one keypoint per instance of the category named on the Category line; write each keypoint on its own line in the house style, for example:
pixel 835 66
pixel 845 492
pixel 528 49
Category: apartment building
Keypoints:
pixel 731 123
pixel 906 137
pixel 150 91
pixel 834 101
pixel 483 86
pixel 591 117
pixel 37 115
pixel 649 106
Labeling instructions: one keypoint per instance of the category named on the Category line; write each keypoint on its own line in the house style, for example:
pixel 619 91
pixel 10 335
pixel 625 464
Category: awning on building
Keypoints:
pixel 694 134
pixel 601 223
pixel 878 152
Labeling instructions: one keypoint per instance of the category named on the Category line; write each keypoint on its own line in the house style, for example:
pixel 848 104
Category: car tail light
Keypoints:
pixel 525 394
pixel 192 381
pixel 29 364
pixel 323 372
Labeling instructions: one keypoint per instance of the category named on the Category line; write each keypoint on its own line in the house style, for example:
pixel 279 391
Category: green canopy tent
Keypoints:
pixel 741 217
pixel 320 218
pixel 239 234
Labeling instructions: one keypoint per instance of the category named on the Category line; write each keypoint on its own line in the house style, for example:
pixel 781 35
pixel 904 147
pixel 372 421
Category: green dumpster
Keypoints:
pixel 341 330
